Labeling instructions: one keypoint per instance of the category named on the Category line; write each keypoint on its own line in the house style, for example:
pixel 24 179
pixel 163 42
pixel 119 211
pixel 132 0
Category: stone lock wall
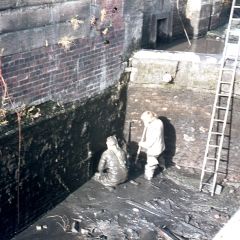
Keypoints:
pixel 198 16
pixel 157 20
pixel 220 13
pixel 166 20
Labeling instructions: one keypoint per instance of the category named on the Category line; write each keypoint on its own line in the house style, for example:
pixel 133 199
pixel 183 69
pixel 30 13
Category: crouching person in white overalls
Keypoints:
pixel 154 143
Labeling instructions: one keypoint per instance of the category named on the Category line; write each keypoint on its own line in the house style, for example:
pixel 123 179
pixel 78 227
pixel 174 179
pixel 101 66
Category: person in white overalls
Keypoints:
pixel 153 143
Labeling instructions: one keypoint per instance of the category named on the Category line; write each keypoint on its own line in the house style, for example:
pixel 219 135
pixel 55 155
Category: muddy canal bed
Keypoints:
pixel 132 211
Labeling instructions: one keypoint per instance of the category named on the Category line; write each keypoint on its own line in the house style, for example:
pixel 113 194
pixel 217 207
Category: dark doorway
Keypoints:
pixel 162 31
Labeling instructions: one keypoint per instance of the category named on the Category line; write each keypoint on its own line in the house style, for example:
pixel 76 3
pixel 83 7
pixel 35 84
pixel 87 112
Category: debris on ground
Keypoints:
pixel 168 207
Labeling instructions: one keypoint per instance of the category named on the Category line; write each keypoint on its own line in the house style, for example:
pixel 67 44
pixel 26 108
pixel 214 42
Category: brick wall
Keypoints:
pixel 51 73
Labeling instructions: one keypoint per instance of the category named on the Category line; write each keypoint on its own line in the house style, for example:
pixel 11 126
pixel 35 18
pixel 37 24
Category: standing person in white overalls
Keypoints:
pixel 154 143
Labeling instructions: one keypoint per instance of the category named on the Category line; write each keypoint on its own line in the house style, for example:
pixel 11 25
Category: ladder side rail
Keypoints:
pixel 220 146
pixel 216 96
pixel 225 118
pixel 222 137
pixel 213 115
pixel 221 68
pixel 211 124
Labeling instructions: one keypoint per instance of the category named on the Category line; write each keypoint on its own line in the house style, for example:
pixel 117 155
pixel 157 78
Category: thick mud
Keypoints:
pixel 138 209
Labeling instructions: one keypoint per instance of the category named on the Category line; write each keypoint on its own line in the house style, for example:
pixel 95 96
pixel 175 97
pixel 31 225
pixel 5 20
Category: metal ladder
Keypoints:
pixel 222 102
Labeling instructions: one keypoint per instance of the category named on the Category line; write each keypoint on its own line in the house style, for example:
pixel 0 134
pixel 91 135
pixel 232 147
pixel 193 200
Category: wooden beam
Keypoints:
pixel 166 234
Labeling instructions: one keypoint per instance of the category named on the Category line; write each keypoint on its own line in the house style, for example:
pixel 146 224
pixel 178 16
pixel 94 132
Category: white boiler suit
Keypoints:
pixel 155 145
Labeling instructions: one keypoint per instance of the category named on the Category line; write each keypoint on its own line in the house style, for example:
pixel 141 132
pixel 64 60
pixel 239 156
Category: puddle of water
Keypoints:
pixel 201 45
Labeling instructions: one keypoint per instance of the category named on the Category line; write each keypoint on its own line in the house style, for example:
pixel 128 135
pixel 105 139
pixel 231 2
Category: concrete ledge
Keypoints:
pixel 177 56
pixel 188 69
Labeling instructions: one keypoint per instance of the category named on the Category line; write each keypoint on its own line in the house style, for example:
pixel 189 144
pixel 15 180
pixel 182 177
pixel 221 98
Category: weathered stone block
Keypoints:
pixel 43 15
pixel 12 4
pixel 153 72
pixel 153 11
pixel 188 70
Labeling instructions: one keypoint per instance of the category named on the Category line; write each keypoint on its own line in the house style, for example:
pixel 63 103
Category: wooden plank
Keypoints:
pixel 39 16
pixel 166 234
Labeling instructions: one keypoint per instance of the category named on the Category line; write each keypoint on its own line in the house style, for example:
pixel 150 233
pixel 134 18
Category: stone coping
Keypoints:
pixel 177 56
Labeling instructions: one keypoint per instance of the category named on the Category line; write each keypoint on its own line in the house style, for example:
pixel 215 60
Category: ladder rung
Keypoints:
pixel 236 6
pixel 218 120
pixel 214 159
pixel 216 133
pixel 234 32
pixel 208 171
pixel 227 69
pixel 216 146
pixel 222 82
pixel 230 57
pixel 223 160
pixel 223 95
pixel 233 44
pixel 225 148
pixel 206 184
pixel 223 108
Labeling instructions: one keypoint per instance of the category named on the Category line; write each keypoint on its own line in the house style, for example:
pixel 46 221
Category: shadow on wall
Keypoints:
pixel 170 141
